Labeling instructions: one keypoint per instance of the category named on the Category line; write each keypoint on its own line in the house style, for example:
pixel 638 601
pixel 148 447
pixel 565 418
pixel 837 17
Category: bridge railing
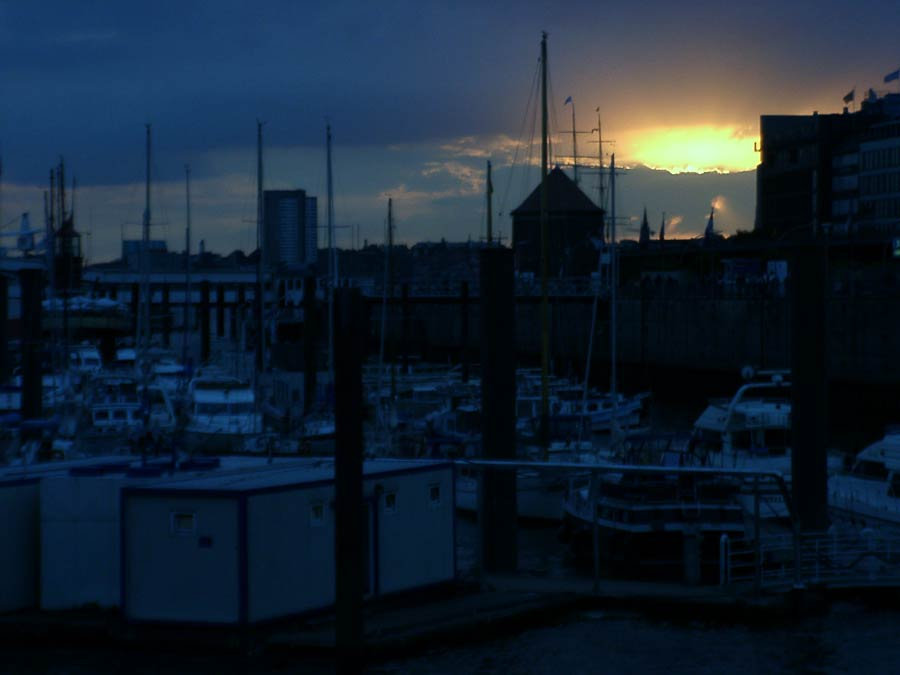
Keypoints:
pixel 835 558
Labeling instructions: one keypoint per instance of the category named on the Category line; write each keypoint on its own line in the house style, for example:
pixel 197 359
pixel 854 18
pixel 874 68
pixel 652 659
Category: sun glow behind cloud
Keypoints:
pixel 697 149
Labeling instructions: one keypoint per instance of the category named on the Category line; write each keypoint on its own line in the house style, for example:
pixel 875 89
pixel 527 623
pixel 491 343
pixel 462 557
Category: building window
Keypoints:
pixel 317 514
pixel 434 495
pixel 390 502
pixel 183 523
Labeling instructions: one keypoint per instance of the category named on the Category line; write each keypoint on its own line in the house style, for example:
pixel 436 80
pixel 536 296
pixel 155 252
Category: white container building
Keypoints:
pixel 80 526
pixel 256 546
pixel 20 551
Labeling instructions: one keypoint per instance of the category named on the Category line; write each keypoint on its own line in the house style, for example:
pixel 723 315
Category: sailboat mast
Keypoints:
pixel 260 282
pixel 490 217
pixel 332 261
pixel 390 292
pixel 602 202
pixel 144 332
pixel 545 327
pixel 614 281
pixel 187 266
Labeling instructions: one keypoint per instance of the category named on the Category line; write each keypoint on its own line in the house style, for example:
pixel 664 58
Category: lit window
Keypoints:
pixel 434 495
pixel 317 514
pixel 183 523
pixel 390 502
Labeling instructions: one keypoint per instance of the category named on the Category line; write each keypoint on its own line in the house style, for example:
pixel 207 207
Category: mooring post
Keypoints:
pixel 595 529
pixel 757 544
pixel 464 329
pixel 497 497
pixel 809 382
pixel 4 328
pixel 204 321
pixel 348 470
pixel 30 284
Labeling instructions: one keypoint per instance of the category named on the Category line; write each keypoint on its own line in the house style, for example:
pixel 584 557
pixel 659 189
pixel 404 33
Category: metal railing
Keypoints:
pixel 834 558
pixel 587 475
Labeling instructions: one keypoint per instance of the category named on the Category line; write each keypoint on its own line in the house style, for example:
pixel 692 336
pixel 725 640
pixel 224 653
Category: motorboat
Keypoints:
pixel 223 414
pixel 868 495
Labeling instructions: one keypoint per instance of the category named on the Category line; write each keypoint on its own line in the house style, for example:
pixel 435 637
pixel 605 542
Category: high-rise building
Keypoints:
pixel 835 170
pixel 289 229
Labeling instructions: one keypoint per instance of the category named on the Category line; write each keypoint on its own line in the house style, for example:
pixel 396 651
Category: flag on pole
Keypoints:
pixel 890 77
pixel 850 95
pixel 569 100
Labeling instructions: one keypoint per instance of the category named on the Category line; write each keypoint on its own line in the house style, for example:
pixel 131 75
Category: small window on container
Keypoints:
pixel 119 415
pixel 183 523
pixel 434 495
pixel 390 502
pixel 101 415
pixel 317 514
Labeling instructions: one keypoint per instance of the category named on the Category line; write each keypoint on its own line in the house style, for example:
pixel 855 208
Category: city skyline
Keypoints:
pixel 418 99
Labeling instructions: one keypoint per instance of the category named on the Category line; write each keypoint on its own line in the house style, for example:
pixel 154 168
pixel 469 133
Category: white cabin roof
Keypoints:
pixel 299 473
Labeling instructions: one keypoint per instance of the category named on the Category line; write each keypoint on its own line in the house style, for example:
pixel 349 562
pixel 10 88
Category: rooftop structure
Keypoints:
pixel 574 220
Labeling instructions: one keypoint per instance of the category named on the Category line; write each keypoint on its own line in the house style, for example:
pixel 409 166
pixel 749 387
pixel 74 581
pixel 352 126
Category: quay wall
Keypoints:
pixel 689 332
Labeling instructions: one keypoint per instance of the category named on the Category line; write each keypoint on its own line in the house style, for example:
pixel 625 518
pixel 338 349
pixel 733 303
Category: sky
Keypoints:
pixel 419 96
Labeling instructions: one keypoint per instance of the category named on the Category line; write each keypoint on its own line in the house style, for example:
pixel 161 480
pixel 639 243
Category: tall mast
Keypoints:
pixel 601 203
pixel 260 285
pixel 61 175
pixel 390 290
pixel 332 259
pixel 545 327
pixel 614 282
pixel 490 216
pixel 187 266
pixel 51 242
pixel 144 332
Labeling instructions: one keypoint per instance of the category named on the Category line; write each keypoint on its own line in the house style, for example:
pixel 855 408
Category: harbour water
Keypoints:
pixel 848 639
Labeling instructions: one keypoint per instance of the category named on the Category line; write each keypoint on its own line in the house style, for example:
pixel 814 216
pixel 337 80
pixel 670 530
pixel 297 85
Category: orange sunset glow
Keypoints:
pixel 696 148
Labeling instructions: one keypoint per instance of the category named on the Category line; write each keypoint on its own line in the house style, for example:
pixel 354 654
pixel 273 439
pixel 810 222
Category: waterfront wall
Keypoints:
pixel 678 331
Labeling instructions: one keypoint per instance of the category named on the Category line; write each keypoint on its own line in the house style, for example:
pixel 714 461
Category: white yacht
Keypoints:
pixel 85 359
pixel 868 495
pixel 223 414
pixel 115 404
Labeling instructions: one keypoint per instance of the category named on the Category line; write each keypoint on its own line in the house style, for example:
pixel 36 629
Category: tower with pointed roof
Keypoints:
pixel 574 222
pixel 644 240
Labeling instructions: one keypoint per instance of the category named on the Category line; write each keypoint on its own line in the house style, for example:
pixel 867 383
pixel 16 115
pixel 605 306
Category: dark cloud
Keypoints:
pixel 81 79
